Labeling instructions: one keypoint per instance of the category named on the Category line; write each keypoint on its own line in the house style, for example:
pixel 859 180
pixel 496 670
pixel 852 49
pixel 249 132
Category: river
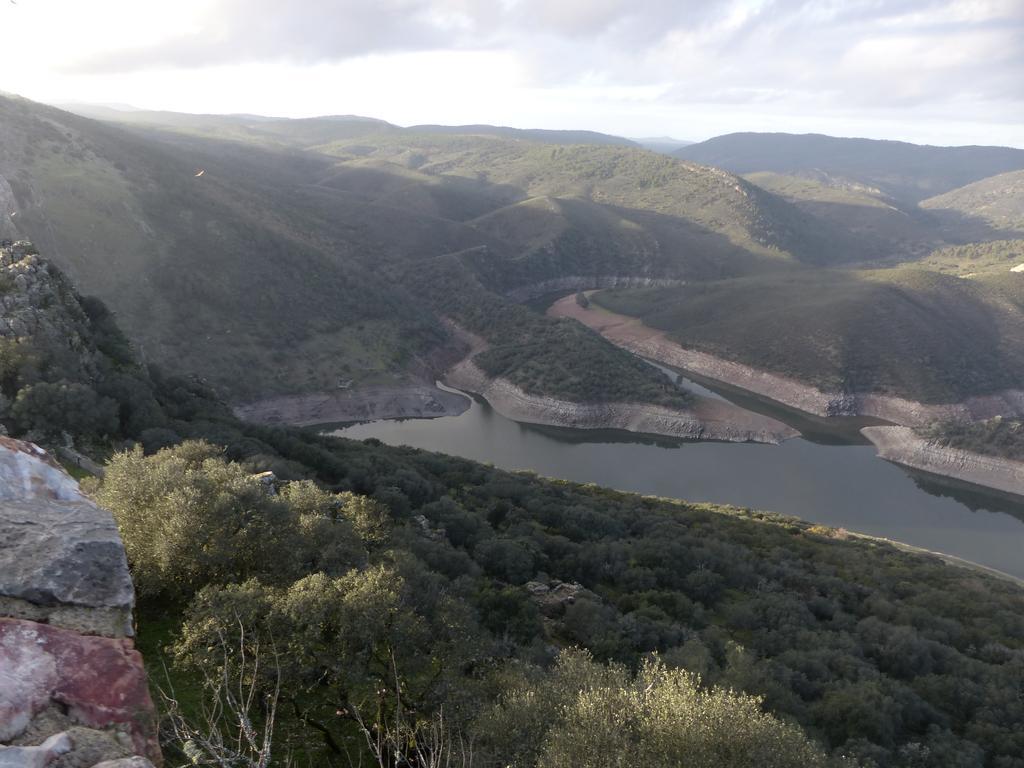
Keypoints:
pixel 830 476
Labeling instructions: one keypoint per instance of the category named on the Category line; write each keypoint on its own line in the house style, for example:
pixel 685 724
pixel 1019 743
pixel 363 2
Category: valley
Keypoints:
pixel 528 348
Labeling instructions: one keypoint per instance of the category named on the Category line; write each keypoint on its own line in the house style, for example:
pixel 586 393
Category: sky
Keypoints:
pixel 928 71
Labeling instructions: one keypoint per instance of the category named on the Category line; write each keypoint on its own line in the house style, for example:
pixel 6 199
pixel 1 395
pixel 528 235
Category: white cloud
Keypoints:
pixel 909 64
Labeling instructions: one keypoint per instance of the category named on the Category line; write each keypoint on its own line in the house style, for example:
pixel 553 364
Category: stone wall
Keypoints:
pixel 73 689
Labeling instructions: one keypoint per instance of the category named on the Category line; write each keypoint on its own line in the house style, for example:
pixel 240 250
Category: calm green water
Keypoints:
pixel 831 478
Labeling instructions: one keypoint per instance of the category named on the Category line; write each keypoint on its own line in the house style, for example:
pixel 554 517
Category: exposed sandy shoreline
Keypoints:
pixel 707 420
pixel 897 444
pixel 902 445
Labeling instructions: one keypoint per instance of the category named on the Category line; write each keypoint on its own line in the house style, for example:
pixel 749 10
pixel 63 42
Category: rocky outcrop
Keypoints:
pixel 412 401
pixel 37 301
pixel 73 689
pixel 553 597
pixel 8 211
pixel 709 420
pixel 901 445
pixel 586 283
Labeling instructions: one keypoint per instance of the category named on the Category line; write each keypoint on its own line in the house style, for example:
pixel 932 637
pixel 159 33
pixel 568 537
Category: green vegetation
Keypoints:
pixel 997 202
pixel 544 356
pixel 995 437
pixel 818 187
pixel 973 259
pixel 431 603
pixel 878 654
pixel 345 228
pixel 882 229
pixel 908 332
pixel 72 374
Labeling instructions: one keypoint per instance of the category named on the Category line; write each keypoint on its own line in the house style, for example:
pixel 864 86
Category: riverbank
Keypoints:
pixel 631 334
pixel 953 560
pixel 408 401
pixel 708 419
pixel 901 445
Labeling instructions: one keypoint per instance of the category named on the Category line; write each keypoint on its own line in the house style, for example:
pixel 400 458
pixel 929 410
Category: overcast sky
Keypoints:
pixel 930 71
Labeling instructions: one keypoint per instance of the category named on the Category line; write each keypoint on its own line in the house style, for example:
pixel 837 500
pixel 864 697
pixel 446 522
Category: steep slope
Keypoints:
pixel 905 332
pixel 209 272
pixel 906 172
pixel 250 274
pixel 995 203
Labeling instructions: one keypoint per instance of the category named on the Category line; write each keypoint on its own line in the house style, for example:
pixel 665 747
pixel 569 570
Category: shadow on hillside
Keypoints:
pixel 881 232
pixel 958 228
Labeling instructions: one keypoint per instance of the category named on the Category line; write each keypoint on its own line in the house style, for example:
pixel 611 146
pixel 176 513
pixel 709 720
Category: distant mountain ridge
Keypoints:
pixel 908 173
pixel 331 127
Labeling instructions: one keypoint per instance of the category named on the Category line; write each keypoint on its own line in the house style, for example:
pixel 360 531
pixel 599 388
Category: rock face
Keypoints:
pixel 902 445
pixel 37 301
pixel 61 558
pixel 73 690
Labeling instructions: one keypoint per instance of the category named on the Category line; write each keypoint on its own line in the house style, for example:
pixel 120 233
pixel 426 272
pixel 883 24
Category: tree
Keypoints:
pixel 189 518
pixel 587 715
pixel 51 409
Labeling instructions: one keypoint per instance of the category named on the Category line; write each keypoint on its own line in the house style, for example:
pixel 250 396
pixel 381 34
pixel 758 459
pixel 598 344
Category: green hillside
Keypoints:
pixel 725 211
pixel 289 264
pixel 972 259
pixel 882 229
pixel 908 173
pixel 909 331
pixel 996 202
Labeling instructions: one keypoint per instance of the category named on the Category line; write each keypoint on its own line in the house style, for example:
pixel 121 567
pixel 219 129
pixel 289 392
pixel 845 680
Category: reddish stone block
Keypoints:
pixel 101 681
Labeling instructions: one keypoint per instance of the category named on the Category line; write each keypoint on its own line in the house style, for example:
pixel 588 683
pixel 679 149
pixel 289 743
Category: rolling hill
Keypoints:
pixel 283 256
pixel 907 173
pixel 246 251
pixel 883 230
pixel 909 332
pixel 995 203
